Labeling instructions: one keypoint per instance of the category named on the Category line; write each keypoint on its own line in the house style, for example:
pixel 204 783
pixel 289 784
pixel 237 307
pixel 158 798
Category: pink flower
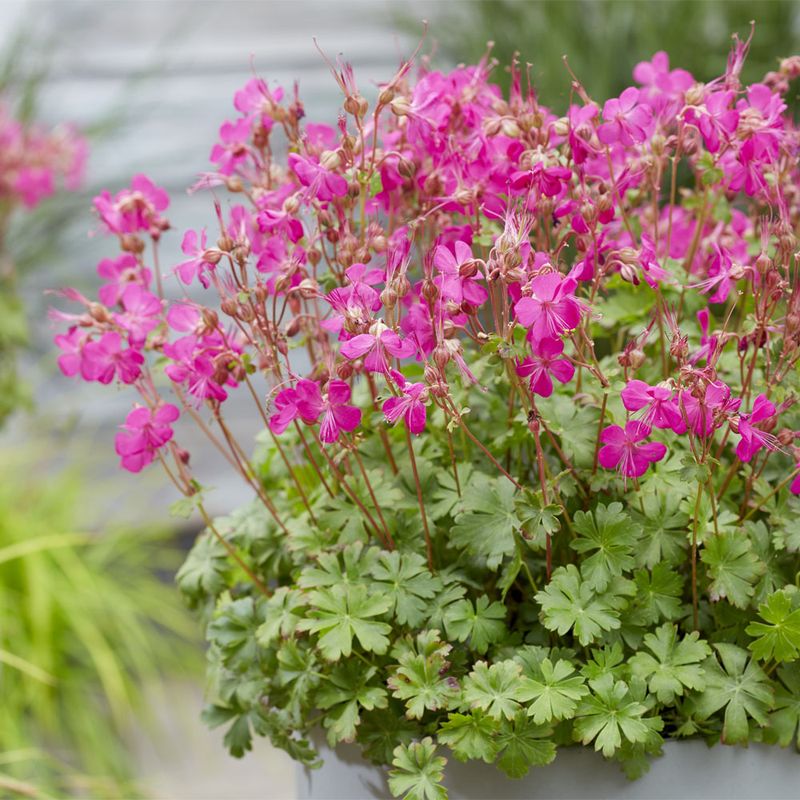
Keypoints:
pixel 135 209
pixel 722 275
pixel 233 148
pixel 307 402
pixel 551 309
pixel 72 361
pixel 715 119
pixel 322 183
pixel 621 449
pixel 794 486
pixel 704 415
pixel 543 363
pixel 202 370
pixel 376 344
pixel 106 358
pixel 144 432
pixel 34 184
pixel 661 409
pixel 627 120
pixel 196 265
pixel 544 180
pixel 120 272
pixel 410 405
pixel 457 275
pixel 708 344
pixel 753 439
pixel 141 313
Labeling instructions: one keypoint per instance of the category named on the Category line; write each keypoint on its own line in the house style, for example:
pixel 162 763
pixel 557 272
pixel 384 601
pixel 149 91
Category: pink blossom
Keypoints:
pixel 233 148
pixel 106 358
pixel 622 449
pixel 627 119
pixel 145 431
pixel 72 361
pixel 544 180
pixel 660 407
pixel 135 209
pixel 715 119
pixel 197 264
pixel 457 279
pixel 543 363
pixel 794 486
pixel 202 370
pixel 141 313
pixel 551 309
pixel 322 183
pixel 256 99
pixel 659 80
pixel 34 184
pixel 410 404
pixel 752 437
pixel 375 345
pixel 710 411
pixel 708 344
pixel 120 272
pixel 308 402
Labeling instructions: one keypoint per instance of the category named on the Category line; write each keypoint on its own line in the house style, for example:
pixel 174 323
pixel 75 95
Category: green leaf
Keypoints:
pixel 447 499
pixel 674 665
pixel 233 631
pixel 524 745
pixel 408 583
pixel 421 678
pixel 663 525
pixel 335 569
pixel 347 690
pixel 342 612
pixel 537 521
pixel 470 736
pixel 280 615
pixel 778 636
pixel 610 535
pixel 555 696
pixel 486 526
pixel 418 772
pixel 784 721
pixel 609 714
pixel 658 594
pixel 482 624
pixel 740 687
pixel 569 603
pixel 732 567
pixel 495 689
pixel 205 572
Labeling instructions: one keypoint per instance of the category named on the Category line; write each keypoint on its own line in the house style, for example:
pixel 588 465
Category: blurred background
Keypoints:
pixel 100 669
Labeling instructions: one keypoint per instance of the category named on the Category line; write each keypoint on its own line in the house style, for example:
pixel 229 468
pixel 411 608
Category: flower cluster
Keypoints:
pixel 451 283
pixel 33 160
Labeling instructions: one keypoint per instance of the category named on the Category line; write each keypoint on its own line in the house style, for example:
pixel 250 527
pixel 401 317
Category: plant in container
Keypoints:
pixel 523 389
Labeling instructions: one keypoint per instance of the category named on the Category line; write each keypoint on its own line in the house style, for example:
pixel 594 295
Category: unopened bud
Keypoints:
pixel 330 159
pixel 441 356
pixel 389 298
pixel 429 290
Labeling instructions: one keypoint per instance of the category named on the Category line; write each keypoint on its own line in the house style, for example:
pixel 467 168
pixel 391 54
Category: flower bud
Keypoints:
pixel 402 286
pixel 400 106
pixel 330 159
pixel 441 356
pixel 389 298
pixel 308 288
pixel 345 370
pixel 429 290
pixel 225 243
pixel 292 327
pixel 229 306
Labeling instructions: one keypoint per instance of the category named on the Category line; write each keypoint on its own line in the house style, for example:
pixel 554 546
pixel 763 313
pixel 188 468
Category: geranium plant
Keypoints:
pixel 523 397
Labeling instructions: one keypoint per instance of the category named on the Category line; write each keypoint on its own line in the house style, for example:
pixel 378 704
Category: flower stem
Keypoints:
pixel 428 544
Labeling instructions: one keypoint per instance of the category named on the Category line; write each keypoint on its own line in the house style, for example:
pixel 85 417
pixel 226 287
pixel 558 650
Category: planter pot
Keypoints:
pixel 687 770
